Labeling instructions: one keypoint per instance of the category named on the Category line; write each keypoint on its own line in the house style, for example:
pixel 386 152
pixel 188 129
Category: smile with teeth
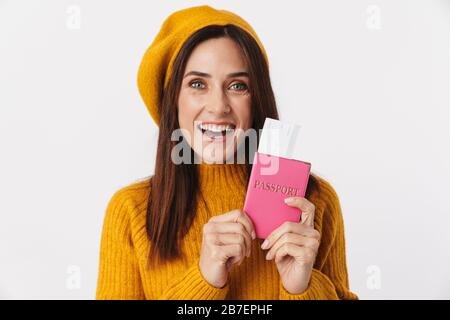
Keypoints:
pixel 216 130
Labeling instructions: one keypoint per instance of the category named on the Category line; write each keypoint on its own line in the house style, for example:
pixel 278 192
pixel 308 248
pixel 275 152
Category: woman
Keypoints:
pixel 181 234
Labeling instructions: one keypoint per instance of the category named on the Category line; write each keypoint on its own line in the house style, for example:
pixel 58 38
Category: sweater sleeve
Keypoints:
pixel 119 276
pixel 192 286
pixel 329 279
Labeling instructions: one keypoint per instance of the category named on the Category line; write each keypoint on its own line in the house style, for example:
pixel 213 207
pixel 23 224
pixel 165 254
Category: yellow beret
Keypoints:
pixel 156 65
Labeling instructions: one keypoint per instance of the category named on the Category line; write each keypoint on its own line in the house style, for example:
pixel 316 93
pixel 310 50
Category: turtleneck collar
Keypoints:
pixel 216 178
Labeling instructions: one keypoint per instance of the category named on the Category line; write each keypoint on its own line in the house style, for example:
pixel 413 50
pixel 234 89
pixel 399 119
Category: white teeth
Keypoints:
pixel 215 128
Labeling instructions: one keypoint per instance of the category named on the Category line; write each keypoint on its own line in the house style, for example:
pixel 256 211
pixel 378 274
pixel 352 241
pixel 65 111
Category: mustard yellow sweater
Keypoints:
pixel 124 248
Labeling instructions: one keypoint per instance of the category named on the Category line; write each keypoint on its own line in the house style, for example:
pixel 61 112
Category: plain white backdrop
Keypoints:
pixel 368 81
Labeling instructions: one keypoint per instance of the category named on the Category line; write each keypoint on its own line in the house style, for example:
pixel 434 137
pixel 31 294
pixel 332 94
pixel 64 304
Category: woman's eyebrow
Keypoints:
pixel 206 75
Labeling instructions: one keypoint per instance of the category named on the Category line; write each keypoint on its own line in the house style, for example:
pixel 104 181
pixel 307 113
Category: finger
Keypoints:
pixel 237 215
pixel 222 239
pixel 307 208
pixel 248 223
pixel 231 227
pixel 293 238
pixel 290 227
pixel 234 251
pixel 302 255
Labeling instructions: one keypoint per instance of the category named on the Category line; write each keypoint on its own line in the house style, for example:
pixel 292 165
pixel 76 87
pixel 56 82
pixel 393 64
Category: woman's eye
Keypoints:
pixel 240 86
pixel 196 84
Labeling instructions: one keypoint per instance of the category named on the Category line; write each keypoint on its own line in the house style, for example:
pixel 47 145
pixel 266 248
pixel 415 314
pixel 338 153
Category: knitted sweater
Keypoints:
pixel 123 272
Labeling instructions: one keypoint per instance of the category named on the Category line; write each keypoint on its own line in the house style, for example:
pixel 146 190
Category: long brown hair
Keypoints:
pixel 172 201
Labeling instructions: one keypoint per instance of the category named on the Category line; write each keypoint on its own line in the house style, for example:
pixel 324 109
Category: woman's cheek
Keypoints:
pixel 194 102
pixel 188 105
pixel 243 111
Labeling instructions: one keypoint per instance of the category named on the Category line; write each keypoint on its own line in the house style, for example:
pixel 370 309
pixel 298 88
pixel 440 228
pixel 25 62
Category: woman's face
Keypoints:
pixel 214 101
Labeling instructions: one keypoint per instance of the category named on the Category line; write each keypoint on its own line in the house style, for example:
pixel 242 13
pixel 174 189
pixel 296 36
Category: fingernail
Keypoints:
pixel 267 256
pixel 288 200
pixel 253 235
pixel 265 244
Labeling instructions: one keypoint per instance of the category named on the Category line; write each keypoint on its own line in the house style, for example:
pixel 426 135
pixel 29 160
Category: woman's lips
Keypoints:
pixel 216 131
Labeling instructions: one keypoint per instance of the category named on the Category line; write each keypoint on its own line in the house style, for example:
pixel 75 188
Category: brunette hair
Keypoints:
pixel 172 200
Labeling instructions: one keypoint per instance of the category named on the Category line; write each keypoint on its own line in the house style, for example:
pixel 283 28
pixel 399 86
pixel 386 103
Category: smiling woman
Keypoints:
pixel 182 233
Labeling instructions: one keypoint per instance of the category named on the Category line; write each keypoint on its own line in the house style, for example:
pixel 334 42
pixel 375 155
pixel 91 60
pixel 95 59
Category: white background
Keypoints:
pixel 367 80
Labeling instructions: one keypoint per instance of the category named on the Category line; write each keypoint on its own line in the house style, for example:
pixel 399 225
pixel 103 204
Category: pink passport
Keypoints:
pixel 274 178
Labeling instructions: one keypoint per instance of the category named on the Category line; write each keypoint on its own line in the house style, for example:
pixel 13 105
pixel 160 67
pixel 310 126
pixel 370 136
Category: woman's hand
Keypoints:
pixel 226 242
pixel 294 247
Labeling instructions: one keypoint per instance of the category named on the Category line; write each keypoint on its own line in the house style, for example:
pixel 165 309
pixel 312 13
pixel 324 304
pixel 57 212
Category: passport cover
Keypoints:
pixel 273 179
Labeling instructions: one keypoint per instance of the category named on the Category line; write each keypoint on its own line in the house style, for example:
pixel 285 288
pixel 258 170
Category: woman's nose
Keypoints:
pixel 218 103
